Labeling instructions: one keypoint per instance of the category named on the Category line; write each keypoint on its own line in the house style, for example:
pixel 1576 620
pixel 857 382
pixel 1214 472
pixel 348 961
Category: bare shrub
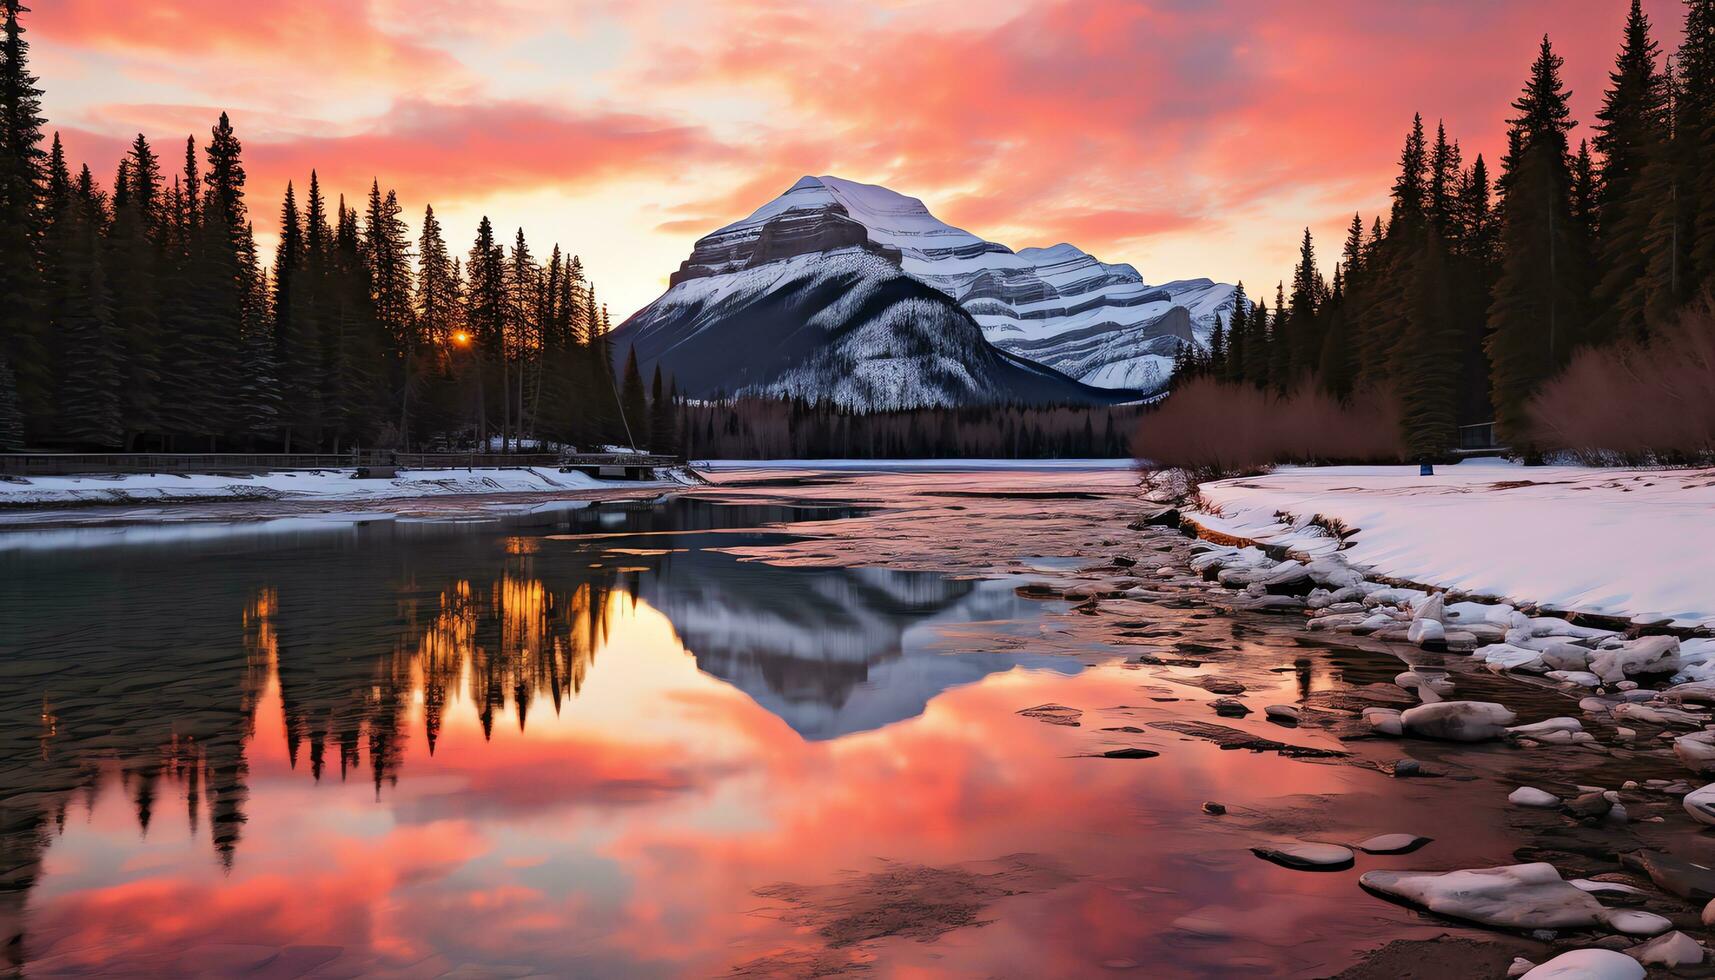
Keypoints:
pixel 1212 429
pixel 1632 403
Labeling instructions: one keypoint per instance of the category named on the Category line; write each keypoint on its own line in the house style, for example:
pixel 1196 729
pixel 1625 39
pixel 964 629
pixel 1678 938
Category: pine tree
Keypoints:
pixel 1694 137
pixel 1303 337
pixel 1666 185
pixel 387 257
pixel 1474 272
pixel 56 204
pixel 1256 353
pixel 190 209
pixel 1334 366
pixel 1631 135
pixel 11 415
pixel 1536 313
pixel 1444 170
pixel 1218 348
pixel 433 309
pixel 1238 336
pixel 361 401
pixel 485 313
pixel 1410 188
pixel 604 411
pixel 260 398
pixel 58 190
pixel 21 220
pixel 1280 343
pixel 660 416
pixel 631 399
pixel 135 274
pixel 1429 375
pixel 298 351
pixel 522 283
pixel 88 400
pixel 225 176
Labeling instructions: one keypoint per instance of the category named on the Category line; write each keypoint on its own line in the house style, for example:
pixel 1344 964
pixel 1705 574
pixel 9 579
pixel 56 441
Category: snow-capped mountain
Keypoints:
pixel 844 325
pixel 1059 307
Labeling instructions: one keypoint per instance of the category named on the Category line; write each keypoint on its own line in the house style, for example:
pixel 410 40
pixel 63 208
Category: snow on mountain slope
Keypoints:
pixel 1095 321
pixel 844 325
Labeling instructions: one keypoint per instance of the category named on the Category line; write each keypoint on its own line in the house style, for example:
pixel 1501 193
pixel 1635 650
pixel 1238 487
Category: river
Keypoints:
pixel 792 723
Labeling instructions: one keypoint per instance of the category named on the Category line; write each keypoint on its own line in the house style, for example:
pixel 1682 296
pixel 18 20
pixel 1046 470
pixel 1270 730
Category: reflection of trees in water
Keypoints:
pixel 506 642
pixel 126 661
pixel 176 719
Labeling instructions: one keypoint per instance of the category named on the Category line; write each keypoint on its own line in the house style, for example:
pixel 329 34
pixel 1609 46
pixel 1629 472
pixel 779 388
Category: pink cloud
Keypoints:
pixel 1122 125
pixel 1118 120
pixel 315 39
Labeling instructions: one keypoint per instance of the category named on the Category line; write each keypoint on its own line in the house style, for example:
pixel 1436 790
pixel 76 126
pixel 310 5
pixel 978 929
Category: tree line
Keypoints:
pixel 767 428
pixel 141 317
pixel 1478 290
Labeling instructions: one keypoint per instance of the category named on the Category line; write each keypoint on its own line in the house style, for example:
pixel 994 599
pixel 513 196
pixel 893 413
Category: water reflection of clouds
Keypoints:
pixel 576 769
pixel 155 674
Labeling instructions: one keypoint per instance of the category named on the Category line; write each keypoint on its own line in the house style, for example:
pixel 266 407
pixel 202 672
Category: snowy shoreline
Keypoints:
pixel 48 492
pixel 1293 544
pixel 1618 543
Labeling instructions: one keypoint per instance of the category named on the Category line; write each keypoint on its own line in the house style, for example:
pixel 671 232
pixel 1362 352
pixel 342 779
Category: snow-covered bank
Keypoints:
pixel 1631 543
pixel 873 465
pixel 330 485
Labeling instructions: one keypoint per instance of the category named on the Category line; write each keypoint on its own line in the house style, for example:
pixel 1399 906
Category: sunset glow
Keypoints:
pixel 1185 138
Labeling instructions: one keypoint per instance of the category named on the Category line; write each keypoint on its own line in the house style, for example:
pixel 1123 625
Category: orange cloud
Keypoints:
pixel 320 41
pixel 1188 138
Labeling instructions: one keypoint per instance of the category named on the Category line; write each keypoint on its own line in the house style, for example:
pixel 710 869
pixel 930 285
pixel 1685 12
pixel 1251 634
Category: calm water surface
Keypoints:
pixel 594 743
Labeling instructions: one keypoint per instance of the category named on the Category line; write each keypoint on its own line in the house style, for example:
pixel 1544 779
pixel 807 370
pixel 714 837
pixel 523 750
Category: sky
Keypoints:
pixel 1187 137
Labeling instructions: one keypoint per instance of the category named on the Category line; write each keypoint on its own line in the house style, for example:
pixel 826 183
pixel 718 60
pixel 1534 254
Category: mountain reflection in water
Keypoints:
pixel 171 674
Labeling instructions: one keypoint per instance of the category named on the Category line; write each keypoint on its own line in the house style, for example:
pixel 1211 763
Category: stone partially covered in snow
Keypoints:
pixel 1519 896
pixel 1287 578
pixel 1665 717
pixel 1545 727
pixel 1383 721
pixel 1610 889
pixel 1392 844
pixel 1532 797
pixel 1632 922
pixel 1342 622
pixel 1695 692
pixel 1307 856
pixel 1669 950
pixel 1394 597
pixel 1696 750
pixel 1281 713
pixel 1457 721
pixel 1418 680
pixel 1430 607
pixel 1333 573
pixel 1588 964
pixel 1582 678
pixel 1566 656
pixel 1426 632
pixel 1701 804
pixel 1506 656
pixel 1648 655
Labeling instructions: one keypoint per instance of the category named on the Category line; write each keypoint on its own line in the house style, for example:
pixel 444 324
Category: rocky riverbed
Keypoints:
pixel 1590 743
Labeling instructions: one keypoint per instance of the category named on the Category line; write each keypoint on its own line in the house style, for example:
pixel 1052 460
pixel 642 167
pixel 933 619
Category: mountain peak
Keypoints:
pixel 1058 305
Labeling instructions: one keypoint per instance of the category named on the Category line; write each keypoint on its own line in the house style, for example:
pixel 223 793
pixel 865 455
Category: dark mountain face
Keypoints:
pixel 845 325
pixel 796 232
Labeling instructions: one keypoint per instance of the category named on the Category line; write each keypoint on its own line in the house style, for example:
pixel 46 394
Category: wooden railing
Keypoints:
pixel 71 464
